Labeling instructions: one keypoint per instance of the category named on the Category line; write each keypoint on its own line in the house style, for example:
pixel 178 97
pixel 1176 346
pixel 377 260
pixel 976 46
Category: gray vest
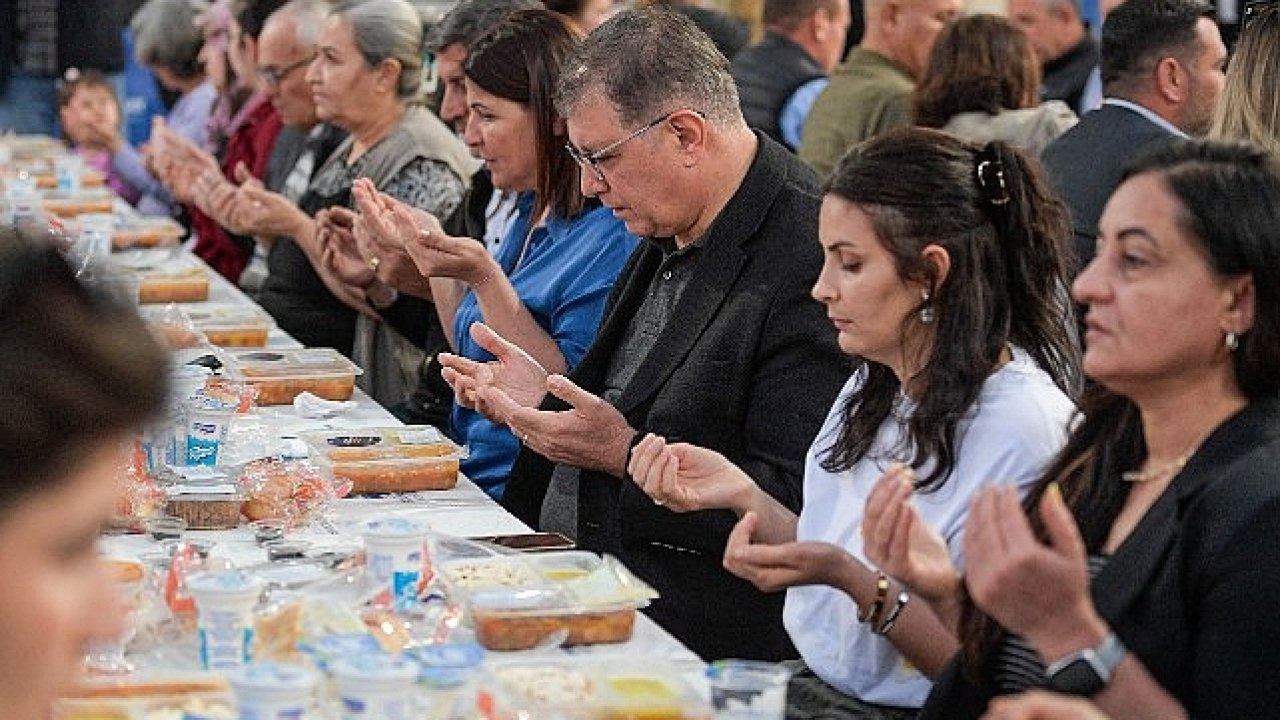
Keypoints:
pixel 767 74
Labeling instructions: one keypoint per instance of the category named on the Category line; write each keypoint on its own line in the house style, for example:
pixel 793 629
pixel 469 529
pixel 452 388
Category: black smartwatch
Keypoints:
pixel 1087 672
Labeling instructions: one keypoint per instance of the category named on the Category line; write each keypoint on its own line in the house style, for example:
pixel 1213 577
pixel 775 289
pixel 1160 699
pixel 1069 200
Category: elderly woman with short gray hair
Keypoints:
pixel 167 41
pixel 365 78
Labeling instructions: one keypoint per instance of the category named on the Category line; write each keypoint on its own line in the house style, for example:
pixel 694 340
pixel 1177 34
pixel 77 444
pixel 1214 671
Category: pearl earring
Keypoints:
pixel 1231 342
pixel 927 314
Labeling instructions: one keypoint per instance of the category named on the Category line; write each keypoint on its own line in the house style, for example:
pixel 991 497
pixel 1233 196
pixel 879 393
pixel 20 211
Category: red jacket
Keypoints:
pixel 251 144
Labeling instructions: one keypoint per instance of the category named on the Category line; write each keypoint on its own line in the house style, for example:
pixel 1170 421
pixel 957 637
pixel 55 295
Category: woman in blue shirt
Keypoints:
pixel 545 287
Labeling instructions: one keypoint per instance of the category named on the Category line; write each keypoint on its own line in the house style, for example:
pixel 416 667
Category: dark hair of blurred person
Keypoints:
pixel 77 377
pixel 584 14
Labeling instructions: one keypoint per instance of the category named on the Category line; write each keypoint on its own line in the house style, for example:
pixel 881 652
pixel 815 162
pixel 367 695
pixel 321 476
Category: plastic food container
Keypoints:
pixel 148 695
pixel 380 460
pixel 164 277
pixel 144 231
pixel 395 549
pixel 205 498
pixel 280 376
pixel 230 325
pixel 376 687
pixel 224 609
pixel 636 689
pixel 79 202
pixel 466 577
pixel 271 691
pixel 522 619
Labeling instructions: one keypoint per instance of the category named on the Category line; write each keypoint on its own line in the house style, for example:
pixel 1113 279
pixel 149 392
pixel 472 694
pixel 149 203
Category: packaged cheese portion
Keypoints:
pixel 381 460
pixel 282 375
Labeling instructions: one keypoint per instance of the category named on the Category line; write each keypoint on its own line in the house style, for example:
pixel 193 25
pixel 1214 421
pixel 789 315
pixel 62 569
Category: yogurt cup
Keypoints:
pixel 224 610
pixel 395 550
pixel 376 687
pixel 272 691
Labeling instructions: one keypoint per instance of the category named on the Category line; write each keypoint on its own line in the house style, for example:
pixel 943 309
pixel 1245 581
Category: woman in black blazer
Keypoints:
pixel 1147 573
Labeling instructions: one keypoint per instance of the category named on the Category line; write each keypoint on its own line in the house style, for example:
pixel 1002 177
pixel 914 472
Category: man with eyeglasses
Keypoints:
pixel 284 47
pixel 710 336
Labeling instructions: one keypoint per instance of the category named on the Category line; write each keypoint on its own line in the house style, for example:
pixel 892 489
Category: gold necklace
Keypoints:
pixel 1167 470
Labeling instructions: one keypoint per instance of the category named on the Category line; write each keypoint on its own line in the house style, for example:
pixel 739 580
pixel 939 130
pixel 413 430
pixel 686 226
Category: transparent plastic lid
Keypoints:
pixel 408 441
pixel 309 363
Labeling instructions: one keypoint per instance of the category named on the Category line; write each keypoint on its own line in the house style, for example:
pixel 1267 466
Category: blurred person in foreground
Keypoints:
pixel 779 77
pixel 1250 107
pixel 706 330
pixel 942 259
pixel 78 376
pixel 1142 569
pixel 983 84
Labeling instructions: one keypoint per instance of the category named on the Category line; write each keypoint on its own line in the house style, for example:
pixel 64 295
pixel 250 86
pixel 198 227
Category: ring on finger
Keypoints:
pixel 374 262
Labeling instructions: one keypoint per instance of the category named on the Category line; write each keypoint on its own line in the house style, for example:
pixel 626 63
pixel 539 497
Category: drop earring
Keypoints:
pixel 927 314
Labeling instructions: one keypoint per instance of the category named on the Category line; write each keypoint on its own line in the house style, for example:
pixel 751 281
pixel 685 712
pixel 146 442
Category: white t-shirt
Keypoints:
pixel 1019 423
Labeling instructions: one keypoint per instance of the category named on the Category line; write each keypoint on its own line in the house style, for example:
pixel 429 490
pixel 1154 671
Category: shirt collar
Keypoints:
pixel 1146 113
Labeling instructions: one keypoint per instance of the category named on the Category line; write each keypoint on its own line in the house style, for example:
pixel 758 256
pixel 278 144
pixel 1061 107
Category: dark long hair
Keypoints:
pixel 980 63
pixel 74 369
pixel 1230 198
pixel 520 60
pixel 990 209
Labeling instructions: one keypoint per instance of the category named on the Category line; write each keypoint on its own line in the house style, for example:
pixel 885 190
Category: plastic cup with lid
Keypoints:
pixel 274 691
pixel 68 170
pixel 748 689
pixel 395 550
pixel 224 614
pixel 376 687
pixel 206 426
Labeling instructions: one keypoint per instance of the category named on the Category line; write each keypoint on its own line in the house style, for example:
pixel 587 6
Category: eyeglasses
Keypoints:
pixel 591 160
pixel 274 76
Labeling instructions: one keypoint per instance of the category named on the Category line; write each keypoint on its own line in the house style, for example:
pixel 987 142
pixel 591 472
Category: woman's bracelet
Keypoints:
pixel 483 280
pixel 898 605
pixel 877 605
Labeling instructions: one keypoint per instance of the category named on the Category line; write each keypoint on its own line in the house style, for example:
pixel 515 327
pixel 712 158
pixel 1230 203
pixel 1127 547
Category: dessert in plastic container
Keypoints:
pixel 165 276
pixel 78 202
pixel 401 459
pixel 206 498
pixel 282 375
pixel 229 325
pixel 579 599
pixel 145 231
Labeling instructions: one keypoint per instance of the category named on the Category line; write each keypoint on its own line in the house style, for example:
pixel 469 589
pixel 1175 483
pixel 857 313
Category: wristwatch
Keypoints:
pixel 1087 672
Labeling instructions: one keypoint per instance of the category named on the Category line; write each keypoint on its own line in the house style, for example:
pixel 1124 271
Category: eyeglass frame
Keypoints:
pixel 273 76
pixel 592 159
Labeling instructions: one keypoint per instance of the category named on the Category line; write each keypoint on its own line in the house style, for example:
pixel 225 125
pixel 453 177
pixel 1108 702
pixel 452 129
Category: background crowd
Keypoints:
pixel 931 353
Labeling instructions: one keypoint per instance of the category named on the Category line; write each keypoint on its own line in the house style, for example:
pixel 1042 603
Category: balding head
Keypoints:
pixel 905 30
pixel 285 46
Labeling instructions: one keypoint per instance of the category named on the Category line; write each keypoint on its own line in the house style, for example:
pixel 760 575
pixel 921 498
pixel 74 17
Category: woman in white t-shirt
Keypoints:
pixel 944 274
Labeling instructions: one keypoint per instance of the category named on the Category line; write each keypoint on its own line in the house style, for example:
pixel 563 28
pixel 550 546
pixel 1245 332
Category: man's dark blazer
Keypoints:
pixel 1192 592
pixel 1086 162
pixel 748 366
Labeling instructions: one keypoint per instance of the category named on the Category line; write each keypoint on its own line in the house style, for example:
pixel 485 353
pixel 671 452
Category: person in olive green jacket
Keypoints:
pixel 870 92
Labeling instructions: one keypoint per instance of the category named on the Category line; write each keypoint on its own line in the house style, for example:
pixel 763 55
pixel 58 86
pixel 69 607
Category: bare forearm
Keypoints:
pixel 917 632
pixel 447 294
pixel 503 311
pixel 776 524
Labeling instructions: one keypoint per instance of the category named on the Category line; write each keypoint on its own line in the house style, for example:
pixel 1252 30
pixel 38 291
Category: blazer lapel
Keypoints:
pixel 718 264
pixel 1130 570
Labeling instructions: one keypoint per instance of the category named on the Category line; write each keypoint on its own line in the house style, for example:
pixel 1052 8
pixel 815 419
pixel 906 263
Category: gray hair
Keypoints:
pixel 470 19
pixel 166 34
pixel 387 29
pixel 646 61
pixel 307 15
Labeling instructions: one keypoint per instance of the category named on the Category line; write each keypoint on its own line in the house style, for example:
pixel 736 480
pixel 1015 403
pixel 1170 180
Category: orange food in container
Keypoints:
pixel 282 375
pixel 384 460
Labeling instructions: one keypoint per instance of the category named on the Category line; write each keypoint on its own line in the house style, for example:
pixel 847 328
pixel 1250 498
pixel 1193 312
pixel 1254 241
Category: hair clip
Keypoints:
pixel 990 175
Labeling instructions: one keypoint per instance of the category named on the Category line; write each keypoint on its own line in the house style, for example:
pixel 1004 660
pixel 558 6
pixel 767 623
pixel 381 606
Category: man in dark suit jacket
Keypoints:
pixel 1163 66
pixel 710 335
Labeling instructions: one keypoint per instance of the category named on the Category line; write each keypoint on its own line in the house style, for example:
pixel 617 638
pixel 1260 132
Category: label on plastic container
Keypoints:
pixel 226 638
